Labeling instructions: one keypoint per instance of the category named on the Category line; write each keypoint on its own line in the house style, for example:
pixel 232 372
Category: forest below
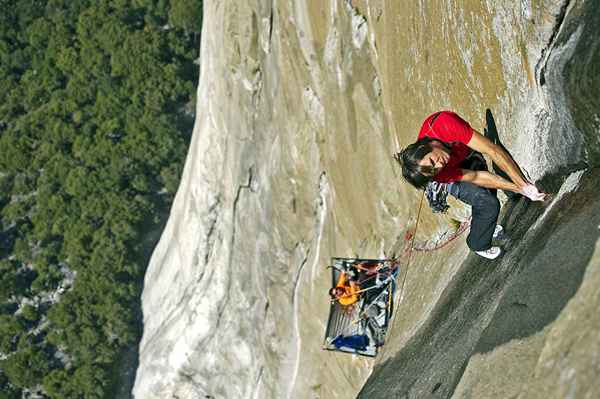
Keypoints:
pixel 97 102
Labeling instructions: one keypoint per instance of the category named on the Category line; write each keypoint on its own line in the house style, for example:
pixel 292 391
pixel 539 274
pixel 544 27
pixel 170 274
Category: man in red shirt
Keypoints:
pixel 443 152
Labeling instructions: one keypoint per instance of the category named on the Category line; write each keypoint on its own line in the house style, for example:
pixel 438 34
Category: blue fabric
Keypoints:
pixel 358 342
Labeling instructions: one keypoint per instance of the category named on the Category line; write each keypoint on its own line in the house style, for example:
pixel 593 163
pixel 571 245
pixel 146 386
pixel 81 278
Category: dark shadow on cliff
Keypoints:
pixel 433 360
pixel 125 370
pixel 521 293
pixel 552 268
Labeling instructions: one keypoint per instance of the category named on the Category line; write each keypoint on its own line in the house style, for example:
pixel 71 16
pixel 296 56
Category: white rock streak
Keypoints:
pixel 297 337
pixel 322 209
pixel 322 206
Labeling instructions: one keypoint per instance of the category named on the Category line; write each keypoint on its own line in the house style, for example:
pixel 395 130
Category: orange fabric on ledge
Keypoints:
pixel 350 296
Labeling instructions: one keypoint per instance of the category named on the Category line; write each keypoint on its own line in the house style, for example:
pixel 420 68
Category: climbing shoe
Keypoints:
pixel 491 253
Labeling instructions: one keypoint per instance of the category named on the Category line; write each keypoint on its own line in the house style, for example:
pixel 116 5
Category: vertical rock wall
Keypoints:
pixel 300 106
pixel 235 298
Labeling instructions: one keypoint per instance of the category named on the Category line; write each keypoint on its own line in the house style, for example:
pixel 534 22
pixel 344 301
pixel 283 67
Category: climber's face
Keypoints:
pixel 437 158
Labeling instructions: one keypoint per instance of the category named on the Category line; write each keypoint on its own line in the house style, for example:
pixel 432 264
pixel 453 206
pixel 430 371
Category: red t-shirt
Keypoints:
pixel 451 129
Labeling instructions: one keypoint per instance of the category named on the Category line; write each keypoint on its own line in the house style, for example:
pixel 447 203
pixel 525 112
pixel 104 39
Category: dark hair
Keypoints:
pixel 409 158
pixel 333 292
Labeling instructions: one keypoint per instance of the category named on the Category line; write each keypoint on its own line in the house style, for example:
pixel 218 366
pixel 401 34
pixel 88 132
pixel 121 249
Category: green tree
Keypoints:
pixel 92 132
pixel 186 14
pixel 57 384
pixel 7 390
pixel 26 367
pixel 8 279
pixel 30 313
pixel 11 331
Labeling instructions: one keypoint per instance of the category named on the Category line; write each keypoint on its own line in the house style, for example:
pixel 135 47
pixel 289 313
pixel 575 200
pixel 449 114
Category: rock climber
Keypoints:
pixel 444 154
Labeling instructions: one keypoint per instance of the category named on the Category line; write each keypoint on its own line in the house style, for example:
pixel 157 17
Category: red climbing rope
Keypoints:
pixel 409 250
pixel 461 229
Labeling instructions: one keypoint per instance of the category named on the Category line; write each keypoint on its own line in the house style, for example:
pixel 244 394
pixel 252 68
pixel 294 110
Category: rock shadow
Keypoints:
pixel 433 360
pixel 521 294
pixel 552 268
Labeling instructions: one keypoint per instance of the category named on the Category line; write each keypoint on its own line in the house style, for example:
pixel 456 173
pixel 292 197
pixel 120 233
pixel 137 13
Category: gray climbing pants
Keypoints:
pixel 485 209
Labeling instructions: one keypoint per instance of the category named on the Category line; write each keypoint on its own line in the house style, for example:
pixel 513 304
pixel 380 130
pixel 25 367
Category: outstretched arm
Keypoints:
pixel 488 180
pixel 507 164
pixel 500 157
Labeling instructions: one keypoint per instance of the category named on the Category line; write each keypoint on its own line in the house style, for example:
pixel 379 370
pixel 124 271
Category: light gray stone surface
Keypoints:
pixel 300 106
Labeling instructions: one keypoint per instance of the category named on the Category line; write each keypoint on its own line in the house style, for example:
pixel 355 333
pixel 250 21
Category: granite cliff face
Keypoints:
pixel 300 106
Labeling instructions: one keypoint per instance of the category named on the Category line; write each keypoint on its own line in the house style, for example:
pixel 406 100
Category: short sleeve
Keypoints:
pixel 452 128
